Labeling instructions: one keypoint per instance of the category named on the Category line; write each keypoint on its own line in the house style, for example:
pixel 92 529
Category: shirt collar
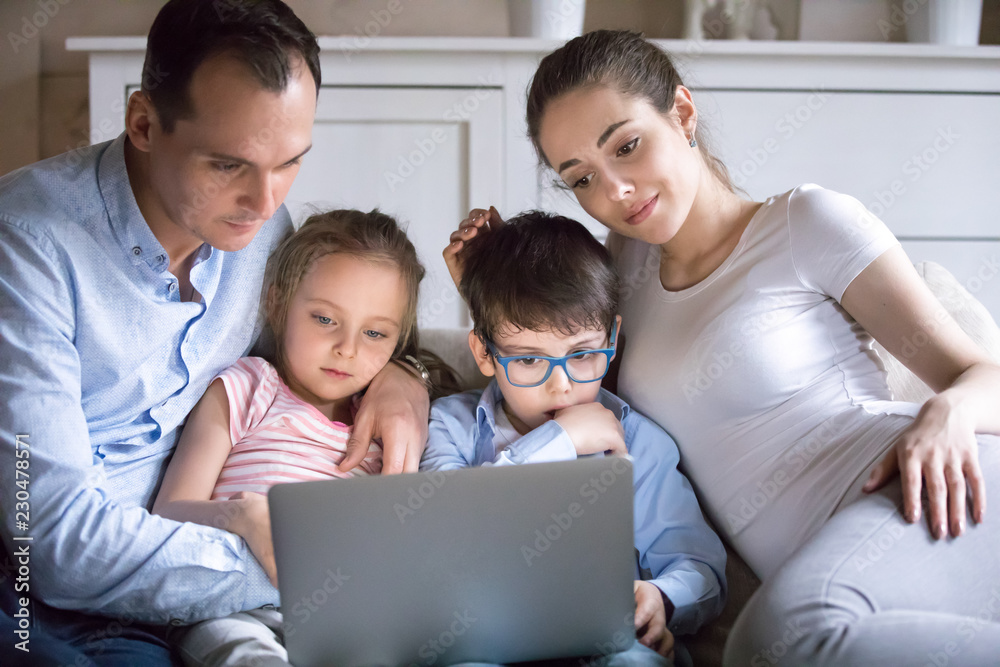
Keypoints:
pixel 127 223
pixel 489 403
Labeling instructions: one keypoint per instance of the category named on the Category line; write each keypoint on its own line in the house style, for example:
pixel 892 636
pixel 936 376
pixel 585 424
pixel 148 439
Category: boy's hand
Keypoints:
pixel 468 229
pixel 253 524
pixel 593 428
pixel 651 620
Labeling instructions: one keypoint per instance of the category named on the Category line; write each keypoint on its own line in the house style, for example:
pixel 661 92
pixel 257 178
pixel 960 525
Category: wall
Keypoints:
pixel 43 88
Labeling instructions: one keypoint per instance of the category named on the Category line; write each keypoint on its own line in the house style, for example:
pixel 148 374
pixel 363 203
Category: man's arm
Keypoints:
pixel 675 543
pixel 87 551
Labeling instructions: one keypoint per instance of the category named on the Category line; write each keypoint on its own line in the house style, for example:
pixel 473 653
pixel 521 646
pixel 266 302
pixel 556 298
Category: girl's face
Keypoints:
pixel 343 324
pixel 630 166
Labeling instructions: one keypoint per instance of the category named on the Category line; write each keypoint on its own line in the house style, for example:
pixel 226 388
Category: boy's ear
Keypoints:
pixel 481 354
pixel 618 335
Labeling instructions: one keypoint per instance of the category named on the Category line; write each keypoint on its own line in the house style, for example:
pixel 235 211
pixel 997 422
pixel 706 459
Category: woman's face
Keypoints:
pixel 630 166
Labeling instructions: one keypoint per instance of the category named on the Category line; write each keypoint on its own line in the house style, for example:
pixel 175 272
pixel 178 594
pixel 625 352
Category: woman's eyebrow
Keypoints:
pixel 603 139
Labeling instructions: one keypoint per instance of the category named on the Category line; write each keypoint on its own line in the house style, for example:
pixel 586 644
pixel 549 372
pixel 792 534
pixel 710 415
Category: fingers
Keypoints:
pixel 955 482
pixel 912 480
pixel 883 472
pixel 357 445
pixel 977 489
pixel 937 499
pixel 394 446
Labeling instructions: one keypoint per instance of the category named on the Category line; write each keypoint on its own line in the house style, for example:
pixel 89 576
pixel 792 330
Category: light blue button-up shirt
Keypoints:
pixel 100 363
pixel 684 556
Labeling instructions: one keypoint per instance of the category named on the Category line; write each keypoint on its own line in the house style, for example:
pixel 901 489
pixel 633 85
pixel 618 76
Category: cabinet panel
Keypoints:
pixel 420 154
pixel 924 163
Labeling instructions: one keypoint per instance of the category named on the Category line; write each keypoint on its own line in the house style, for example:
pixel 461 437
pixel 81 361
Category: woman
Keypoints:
pixel 753 350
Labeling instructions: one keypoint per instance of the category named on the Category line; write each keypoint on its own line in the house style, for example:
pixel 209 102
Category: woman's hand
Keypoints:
pixel 394 409
pixel 651 619
pixel 940 450
pixel 468 229
pixel 253 524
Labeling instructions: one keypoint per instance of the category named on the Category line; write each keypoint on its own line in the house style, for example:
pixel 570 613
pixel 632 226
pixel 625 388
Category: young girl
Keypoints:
pixel 339 300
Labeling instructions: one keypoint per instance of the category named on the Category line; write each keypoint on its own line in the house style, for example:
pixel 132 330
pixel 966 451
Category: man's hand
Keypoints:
pixel 593 428
pixel 651 620
pixel 394 409
pixel 253 524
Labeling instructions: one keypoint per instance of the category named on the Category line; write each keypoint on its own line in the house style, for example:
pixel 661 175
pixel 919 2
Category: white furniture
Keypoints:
pixel 427 128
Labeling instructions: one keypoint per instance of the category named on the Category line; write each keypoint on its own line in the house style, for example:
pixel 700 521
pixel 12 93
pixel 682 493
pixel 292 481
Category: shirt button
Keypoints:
pixel 160 258
pixel 171 286
pixel 136 251
pixel 176 622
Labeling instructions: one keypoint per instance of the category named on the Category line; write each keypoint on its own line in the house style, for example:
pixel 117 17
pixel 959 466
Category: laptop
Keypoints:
pixel 498 565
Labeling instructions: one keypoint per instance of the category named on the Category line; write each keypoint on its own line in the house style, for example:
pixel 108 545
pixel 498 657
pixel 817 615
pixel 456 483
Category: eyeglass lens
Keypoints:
pixel 585 367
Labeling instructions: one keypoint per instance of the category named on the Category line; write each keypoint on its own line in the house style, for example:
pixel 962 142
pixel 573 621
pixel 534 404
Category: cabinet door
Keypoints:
pixel 422 155
pixel 924 163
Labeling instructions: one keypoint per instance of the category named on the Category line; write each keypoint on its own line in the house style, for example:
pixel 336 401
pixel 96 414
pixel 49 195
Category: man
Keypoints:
pixel 130 275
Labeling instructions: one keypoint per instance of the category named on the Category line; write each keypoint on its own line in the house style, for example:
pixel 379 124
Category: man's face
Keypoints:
pixel 225 170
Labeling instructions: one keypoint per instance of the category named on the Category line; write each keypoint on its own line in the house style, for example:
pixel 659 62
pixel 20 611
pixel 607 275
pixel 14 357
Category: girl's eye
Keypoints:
pixel 583 182
pixel 629 147
pixel 374 335
pixel 322 319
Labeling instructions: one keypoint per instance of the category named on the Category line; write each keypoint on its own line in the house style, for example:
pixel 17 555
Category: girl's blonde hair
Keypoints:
pixel 372 236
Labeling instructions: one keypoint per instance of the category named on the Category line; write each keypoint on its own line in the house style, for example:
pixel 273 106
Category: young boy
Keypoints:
pixel 543 294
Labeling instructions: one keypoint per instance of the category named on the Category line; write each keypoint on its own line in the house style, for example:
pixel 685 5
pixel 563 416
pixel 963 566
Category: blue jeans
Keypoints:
pixel 64 637
pixel 871 589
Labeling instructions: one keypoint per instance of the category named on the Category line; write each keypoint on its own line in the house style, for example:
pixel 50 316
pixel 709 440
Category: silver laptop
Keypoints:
pixel 478 565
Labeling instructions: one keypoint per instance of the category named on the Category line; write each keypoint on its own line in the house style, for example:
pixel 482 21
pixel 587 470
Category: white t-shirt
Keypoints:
pixel 769 387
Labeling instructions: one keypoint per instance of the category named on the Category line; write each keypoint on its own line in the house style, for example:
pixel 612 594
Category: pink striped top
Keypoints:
pixel 278 437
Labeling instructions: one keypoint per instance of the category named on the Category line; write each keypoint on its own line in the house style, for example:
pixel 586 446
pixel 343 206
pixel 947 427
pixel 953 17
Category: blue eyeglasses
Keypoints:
pixel 583 366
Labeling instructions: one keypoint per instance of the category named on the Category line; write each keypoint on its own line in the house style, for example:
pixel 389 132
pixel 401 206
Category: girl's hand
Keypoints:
pixel 939 450
pixel 593 428
pixel 651 620
pixel 253 524
pixel 468 229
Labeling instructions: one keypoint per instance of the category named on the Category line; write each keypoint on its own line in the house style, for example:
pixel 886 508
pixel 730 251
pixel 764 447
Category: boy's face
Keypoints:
pixel 530 407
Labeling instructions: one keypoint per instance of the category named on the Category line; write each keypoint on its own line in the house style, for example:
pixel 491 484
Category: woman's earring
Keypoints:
pixel 694 142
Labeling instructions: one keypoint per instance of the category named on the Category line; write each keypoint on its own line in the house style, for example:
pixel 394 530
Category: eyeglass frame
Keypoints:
pixel 557 362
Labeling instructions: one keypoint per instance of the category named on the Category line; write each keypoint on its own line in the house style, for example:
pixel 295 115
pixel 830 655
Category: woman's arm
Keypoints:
pixel 186 492
pixel 893 304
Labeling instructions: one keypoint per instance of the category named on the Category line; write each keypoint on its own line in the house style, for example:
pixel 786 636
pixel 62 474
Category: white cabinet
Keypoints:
pixel 426 128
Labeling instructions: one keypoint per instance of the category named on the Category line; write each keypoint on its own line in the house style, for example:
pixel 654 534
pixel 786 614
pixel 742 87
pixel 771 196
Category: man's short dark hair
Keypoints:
pixel 540 272
pixel 263 34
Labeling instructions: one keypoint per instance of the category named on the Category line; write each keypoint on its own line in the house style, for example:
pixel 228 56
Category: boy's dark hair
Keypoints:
pixel 541 272
pixel 263 34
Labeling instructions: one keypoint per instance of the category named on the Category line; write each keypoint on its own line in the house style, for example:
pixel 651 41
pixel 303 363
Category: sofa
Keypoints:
pixel 707 645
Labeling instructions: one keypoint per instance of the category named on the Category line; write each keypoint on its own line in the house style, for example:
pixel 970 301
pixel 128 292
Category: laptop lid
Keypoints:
pixel 482 564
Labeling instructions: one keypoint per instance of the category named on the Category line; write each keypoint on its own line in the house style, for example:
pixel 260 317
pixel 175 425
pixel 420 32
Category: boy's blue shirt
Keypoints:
pixel 685 557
